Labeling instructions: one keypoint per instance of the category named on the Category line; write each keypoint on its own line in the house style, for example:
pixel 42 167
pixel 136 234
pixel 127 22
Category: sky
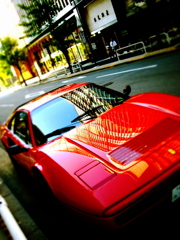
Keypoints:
pixel 8 20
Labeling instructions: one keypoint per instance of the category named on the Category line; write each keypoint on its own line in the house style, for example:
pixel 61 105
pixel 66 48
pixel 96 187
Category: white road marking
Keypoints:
pixel 34 94
pixel 6 105
pixel 73 79
pixel 130 70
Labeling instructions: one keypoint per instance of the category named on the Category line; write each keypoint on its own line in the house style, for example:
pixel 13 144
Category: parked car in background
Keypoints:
pixel 107 154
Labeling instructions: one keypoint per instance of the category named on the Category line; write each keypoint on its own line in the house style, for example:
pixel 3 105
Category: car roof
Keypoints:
pixel 48 96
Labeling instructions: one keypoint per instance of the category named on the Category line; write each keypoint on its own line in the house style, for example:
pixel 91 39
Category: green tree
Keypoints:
pixel 41 16
pixel 5 73
pixel 61 40
pixel 12 55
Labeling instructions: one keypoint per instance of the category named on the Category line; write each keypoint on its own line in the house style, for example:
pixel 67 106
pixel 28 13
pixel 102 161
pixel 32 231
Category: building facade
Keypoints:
pixel 154 22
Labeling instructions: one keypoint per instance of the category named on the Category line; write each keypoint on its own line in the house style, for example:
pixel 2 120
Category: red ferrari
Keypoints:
pixel 107 154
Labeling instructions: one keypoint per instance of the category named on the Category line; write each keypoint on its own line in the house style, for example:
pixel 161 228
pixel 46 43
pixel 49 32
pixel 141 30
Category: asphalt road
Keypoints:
pixel 156 74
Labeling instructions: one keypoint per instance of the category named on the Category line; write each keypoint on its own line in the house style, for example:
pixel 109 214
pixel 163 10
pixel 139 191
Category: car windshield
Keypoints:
pixel 72 109
pixel 50 117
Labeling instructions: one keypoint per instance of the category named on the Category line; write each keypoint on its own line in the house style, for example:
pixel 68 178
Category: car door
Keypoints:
pixel 19 134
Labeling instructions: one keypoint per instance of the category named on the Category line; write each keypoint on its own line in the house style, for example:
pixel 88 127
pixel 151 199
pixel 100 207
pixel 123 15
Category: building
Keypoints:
pixel 154 22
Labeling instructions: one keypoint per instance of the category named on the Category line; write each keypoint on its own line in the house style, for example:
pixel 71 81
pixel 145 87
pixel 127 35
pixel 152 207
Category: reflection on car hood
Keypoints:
pixel 122 134
pixel 121 155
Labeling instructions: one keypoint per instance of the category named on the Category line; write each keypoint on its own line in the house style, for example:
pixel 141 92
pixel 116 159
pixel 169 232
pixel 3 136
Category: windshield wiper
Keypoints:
pixel 113 100
pixel 88 112
pixel 59 131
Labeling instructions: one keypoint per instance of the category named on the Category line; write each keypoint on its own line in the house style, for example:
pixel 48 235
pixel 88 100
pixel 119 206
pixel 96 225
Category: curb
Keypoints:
pixel 102 66
pixel 23 219
pixel 119 62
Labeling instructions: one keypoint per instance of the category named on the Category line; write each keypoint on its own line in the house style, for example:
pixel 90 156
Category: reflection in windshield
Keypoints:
pixel 91 113
pixel 68 110
pixel 51 116
pixel 91 95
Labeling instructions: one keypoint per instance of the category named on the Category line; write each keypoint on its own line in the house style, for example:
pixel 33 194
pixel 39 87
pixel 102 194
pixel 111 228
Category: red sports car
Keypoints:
pixel 107 154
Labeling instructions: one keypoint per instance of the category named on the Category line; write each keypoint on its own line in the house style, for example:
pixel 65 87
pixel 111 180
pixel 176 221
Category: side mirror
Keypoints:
pixel 127 90
pixel 16 149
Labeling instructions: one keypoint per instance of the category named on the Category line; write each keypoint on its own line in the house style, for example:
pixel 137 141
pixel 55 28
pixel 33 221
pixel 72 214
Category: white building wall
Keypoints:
pixel 100 15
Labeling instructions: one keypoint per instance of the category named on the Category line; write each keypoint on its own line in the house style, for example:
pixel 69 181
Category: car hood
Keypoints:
pixel 126 131
pixel 135 142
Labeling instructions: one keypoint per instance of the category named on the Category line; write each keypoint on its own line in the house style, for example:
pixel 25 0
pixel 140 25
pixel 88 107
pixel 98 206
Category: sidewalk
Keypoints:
pixel 59 73
pixel 26 223
pixel 89 67
pixel 28 227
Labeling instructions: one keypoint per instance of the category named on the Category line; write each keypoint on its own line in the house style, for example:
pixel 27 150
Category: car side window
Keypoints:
pixel 19 126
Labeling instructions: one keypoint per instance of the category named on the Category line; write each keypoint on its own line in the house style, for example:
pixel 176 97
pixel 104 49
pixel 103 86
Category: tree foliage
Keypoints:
pixel 5 70
pixel 40 15
pixel 11 54
pixel 5 73
pixel 60 37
